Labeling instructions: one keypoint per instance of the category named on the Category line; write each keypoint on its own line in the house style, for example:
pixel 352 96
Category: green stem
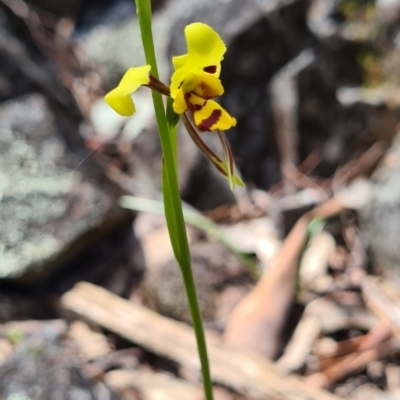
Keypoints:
pixel 171 190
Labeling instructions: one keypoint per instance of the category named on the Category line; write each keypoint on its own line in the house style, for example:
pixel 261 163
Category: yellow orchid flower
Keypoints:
pixel 196 79
pixel 119 99
pixel 194 84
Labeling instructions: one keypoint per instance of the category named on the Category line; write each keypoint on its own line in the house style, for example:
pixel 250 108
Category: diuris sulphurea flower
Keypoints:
pixel 194 85
pixel 196 79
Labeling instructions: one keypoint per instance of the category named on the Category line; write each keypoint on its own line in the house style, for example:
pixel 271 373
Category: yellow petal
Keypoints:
pixel 195 90
pixel 179 105
pixel 205 53
pixel 203 41
pixel 194 102
pixel 177 79
pixel 212 117
pixel 119 98
pixel 123 105
pixel 204 85
pixel 179 61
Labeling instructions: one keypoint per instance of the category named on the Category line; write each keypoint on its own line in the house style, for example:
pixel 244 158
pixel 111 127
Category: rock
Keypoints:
pixel 117 46
pixel 53 210
pixel 44 366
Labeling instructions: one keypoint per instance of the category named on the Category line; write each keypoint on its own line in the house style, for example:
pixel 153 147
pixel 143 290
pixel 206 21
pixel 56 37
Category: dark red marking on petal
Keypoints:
pixel 211 69
pixel 187 97
pixel 193 107
pixel 207 123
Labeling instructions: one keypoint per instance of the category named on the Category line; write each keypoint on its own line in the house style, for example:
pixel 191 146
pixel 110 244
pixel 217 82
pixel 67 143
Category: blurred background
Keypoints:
pixel 298 274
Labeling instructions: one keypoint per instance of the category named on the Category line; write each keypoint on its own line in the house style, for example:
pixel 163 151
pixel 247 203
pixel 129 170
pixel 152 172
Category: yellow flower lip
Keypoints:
pixel 195 95
pixel 211 117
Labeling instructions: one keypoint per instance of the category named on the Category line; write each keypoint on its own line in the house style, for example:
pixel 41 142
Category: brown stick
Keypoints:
pixel 372 346
pixel 244 373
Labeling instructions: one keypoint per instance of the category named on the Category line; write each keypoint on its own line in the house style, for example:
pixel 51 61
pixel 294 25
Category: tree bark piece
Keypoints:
pixel 247 374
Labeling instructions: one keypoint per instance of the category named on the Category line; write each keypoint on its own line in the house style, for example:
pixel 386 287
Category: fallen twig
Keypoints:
pixel 371 347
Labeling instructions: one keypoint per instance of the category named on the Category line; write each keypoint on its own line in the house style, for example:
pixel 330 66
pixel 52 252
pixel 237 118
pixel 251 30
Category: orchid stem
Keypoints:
pixel 172 200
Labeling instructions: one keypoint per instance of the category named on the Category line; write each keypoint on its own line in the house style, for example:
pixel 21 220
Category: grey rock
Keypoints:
pixel 117 47
pixel 50 207
pixel 44 365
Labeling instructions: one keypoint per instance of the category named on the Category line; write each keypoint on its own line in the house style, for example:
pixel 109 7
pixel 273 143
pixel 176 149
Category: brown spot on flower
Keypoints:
pixel 211 69
pixel 207 123
pixel 189 105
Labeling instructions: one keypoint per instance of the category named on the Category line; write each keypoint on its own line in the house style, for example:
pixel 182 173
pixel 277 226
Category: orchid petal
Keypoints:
pixel 212 117
pixel 203 85
pixel 179 103
pixel 120 98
